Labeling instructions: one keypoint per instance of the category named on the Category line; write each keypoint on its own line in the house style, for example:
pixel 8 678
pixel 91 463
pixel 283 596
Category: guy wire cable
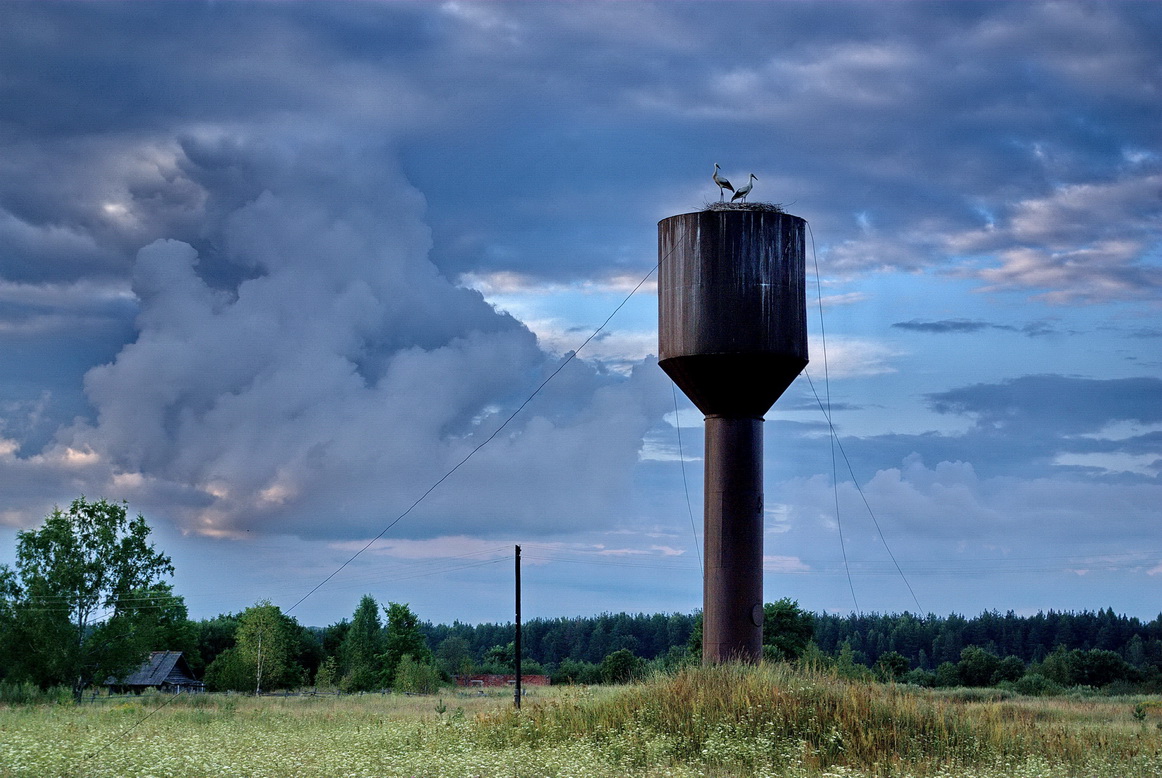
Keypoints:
pixel 685 485
pixel 827 414
pixel 834 436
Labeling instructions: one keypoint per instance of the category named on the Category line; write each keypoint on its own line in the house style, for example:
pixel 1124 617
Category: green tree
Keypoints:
pixel 361 649
pixel 328 674
pixel 620 666
pixel 694 642
pixel 500 659
pixel 947 675
pixel 454 655
pixel 265 642
pixel 977 666
pixel 571 671
pixel 1010 669
pixel 83 581
pixel 1057 667
pixel 1098 667
pixel 412 676
pixel 847 666
pixel 814 658
pixel 229 673
pixel 404 636
pixel 164 623
pixel 787 628
pixel 9 591
pixel 891 666
pixel 213 637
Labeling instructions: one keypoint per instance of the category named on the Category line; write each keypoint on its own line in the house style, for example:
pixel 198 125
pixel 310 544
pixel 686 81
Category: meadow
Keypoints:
pixel 772 720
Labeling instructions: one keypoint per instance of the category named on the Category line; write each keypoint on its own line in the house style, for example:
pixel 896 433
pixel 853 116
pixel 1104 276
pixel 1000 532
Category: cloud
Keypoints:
pixel 949 509
pixel 1054 405
pixel 251 227
pixel 322 394
pixel 947 325
pixel 969 326
pixel 849 357
pixel 1082 242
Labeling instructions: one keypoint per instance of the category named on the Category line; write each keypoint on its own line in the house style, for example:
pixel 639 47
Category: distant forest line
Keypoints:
pixel 88 600
pixel 925 641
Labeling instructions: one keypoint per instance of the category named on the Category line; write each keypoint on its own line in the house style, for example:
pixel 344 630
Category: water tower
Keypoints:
pixel 732 334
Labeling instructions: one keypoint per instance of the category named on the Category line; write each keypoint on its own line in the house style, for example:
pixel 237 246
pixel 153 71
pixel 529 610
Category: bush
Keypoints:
pixel 891 666
pixel 1011 668
pixel 815 659
pixel 947 675
pixel 787 629
pixel 25 693
pixel 412 676
pixel 570 671
pixel 620 667
pixel 977 666
pixel 229 673
pixel 1036 685
pixel 673 660
pixel 920 677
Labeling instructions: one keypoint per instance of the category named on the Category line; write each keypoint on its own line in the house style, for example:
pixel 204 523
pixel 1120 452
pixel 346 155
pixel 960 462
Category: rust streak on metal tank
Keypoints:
pixel 732 333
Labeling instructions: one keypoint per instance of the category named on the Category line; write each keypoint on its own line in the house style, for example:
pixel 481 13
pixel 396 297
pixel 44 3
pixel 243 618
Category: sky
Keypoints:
pixel 269 273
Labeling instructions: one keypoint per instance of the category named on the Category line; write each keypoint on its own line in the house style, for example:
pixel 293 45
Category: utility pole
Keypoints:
pixel 516 642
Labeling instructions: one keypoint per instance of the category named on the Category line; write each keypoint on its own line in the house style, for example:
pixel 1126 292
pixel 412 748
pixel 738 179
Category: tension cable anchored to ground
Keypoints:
pixel 835 442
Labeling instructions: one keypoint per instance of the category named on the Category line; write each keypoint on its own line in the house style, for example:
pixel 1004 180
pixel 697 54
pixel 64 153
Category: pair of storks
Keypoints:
pixel 723 184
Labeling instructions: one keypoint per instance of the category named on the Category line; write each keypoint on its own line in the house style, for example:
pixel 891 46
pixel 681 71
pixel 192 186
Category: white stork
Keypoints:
pixel 722 184
pixel 743 191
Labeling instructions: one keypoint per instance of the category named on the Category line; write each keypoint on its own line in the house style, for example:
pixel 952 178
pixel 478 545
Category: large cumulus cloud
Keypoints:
pixel 343 374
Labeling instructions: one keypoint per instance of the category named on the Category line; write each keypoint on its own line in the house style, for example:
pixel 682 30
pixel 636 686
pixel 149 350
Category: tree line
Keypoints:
pixel 88 600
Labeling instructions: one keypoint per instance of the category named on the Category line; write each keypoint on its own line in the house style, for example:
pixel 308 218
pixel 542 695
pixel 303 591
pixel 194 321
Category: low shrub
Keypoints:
pixel 25 693
pixel 1036 685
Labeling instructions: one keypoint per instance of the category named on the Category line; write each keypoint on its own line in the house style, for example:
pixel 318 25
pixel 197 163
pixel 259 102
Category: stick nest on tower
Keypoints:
pixel 740 206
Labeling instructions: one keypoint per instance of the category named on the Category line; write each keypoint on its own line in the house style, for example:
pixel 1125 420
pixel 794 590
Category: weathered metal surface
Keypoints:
pixel 732 333
pixel 733 526
pixel 732 323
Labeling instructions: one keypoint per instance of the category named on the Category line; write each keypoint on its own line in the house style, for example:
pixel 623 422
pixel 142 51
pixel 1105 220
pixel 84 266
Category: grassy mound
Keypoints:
pixel 777 719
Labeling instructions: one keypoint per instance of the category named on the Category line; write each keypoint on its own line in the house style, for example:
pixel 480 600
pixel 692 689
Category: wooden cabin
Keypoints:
pixel 166 671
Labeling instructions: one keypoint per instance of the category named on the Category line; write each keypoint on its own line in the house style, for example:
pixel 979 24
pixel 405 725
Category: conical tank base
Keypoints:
pixel 744 385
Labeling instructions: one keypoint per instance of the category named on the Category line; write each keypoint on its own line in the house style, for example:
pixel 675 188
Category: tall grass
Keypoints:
pixel 747 719
pixel 24 693
pixel 723 722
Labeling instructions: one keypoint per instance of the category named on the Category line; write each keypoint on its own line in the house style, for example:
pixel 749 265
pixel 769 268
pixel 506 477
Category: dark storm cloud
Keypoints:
pixel 948 325
pixel 969 326
pixel 913 135
pixel 1055 405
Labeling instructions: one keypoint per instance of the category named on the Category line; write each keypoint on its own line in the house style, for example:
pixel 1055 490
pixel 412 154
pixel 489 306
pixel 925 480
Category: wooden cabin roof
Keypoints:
pixel 161 667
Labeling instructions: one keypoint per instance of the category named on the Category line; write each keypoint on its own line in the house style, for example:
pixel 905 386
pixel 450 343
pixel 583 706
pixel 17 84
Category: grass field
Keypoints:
pixel 726 721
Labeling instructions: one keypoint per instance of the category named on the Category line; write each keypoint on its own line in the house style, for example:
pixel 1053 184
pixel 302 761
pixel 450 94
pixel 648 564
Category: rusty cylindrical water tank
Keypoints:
pixel 732 334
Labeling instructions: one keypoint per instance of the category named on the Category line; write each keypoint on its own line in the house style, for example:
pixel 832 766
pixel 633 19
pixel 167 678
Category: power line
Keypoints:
pixel 572 355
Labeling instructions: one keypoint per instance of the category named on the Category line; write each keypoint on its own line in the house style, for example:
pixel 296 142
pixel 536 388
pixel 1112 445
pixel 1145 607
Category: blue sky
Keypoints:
pixel 269 270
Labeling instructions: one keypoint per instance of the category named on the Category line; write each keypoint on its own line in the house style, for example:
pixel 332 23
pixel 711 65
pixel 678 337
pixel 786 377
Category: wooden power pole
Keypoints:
pixel 516 641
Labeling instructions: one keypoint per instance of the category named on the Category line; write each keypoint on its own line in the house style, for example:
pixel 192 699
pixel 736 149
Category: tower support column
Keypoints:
pixel 732 592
